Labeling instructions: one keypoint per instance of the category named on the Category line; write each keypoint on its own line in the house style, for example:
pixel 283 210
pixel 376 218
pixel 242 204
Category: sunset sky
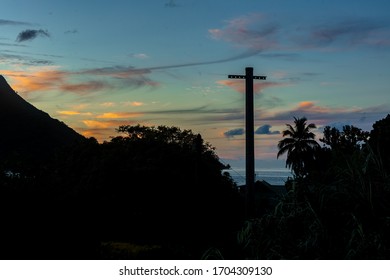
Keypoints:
pixel 96 65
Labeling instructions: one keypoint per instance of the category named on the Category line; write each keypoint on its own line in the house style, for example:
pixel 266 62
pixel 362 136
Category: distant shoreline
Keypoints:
pixel 273 176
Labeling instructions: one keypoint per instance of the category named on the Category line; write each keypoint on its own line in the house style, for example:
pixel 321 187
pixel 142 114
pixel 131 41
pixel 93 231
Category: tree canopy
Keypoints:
pixel 299 145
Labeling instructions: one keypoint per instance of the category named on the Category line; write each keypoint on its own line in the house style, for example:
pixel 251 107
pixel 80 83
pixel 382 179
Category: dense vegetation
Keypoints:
pixel 160 193
pixel 157 191
pixel 338 204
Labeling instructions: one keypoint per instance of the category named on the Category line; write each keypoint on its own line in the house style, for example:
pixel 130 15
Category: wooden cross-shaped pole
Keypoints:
pixel 249 134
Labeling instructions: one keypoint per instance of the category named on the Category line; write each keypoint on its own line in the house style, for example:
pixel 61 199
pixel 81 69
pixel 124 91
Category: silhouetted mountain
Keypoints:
pixel 27 132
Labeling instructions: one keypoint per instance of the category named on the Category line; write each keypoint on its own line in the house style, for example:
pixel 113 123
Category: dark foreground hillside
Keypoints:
pixel 27 132
pixel 155 193
pixel 168 198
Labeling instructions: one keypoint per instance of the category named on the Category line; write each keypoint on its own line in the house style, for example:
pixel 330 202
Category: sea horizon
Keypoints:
pixel 273 176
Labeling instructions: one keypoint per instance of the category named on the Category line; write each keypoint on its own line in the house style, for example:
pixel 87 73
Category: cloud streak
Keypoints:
pixel 85 88
pixel 31 34
pixel 349 32
pixel 246 32
pixel 171 4
pixel 119 115
pixel 257 34
pixel 12 22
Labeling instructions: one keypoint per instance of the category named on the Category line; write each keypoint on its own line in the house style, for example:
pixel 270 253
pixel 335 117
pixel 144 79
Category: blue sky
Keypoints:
pixel 96 65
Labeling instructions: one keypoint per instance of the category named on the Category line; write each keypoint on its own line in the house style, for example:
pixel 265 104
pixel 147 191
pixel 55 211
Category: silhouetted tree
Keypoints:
pixel 348 140
pixel 380 139
pixel 299 145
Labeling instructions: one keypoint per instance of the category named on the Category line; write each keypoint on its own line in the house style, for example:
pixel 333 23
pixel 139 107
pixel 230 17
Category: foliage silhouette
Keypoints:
pixel 380 139
pixel 343 212
pixel 299 146
pixel 159 187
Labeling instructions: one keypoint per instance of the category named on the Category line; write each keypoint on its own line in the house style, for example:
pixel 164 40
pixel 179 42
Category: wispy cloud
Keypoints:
pixel 30 34
pixel 323 115
pixel 119 115
pixel 49 78
pixel 107 104
pixel 258 34
pixel 74 113
pixel 245 31
pixel 171 4
pixel 71 31
pixel 12 22
pixel 101 128
pixel 128 76
pixel 133 103
pixel 43 80
pixel 347 32
pixel 85 88
pixel 12 58
pixel 101 124
pixel 140 55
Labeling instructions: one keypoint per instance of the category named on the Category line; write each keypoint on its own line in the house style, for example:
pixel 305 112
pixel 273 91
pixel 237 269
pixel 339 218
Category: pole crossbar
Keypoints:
pixel 244 77
pixel 249 134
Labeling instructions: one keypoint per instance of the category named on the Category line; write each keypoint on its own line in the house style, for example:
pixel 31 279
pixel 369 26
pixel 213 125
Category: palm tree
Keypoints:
pixel 299 145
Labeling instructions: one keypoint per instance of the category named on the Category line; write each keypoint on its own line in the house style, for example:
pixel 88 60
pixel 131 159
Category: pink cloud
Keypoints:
pixel 84 88
pixel 247 31
pixel 310 106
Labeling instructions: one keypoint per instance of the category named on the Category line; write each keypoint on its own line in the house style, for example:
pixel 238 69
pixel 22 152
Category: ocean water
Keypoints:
pixel 271 176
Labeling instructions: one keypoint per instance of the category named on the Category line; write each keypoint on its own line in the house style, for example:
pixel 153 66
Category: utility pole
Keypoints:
pixel 249 134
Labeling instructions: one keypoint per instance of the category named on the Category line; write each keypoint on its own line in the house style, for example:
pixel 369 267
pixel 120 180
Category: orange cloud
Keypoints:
pixel 73 113
pixel 306 104
pixel 96 124
pixel 136 103
pixel 118 115
pixel 36 81
pixel 68 113
pixel 133 103
pixel 310 106
pixel 102 130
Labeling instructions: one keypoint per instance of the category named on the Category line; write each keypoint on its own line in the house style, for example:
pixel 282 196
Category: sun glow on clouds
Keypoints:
pixel 41 80
pixel 96 124
pixel 101 129
pixel 49 79
pixel 73 113
pixel 136 103
pixel 112 124
pixel 311 107
pixel 118 115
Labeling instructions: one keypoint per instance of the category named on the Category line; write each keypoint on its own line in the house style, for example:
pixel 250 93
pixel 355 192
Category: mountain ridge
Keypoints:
pixel 27 131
